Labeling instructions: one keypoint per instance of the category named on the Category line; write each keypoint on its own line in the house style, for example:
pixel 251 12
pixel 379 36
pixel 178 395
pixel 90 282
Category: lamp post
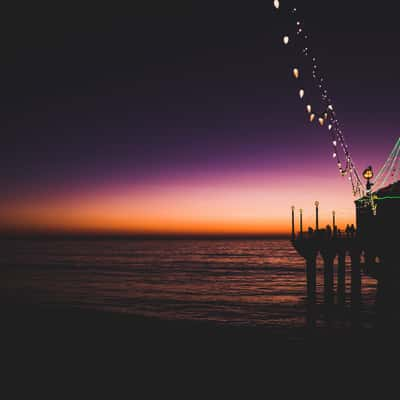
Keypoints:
pixel 334 219
pixel 293 236
pixel 316 216
pixel 368 174
pixel 301 222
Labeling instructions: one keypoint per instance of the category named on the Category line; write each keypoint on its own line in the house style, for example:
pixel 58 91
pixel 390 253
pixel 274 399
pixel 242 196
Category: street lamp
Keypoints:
pixel 293 236
pixel 316 215
pixel 368 174
pixel 301 222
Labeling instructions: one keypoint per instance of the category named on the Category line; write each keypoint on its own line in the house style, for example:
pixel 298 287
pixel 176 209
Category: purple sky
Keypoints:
pixel 107 101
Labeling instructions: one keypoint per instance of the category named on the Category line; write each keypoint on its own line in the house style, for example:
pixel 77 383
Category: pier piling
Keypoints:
pixel 341 278
pixel 328 258
pixel 311 273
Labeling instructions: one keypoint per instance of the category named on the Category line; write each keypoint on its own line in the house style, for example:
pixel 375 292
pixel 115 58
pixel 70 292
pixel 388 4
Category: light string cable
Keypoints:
pixel 320 109
pixel 391 167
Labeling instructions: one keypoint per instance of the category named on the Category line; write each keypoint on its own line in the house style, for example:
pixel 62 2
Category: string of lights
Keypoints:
pixel 321 109
pixel 390 172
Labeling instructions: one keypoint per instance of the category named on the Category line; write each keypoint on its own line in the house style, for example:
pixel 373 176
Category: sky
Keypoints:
pixel 183 117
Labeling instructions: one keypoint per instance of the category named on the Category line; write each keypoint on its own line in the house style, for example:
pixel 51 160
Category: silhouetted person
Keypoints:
pixel 352 230
pixel 310 232
pixel 328 231
pixel 347 230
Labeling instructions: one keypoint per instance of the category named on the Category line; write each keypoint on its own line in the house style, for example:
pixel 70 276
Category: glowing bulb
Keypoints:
pixel 309 108
pixel 301 93
pixel 276 4
pixel 312 117
pixel 330 107
pixel 321 121
pixel 330 127
pixel 296 73
pixel 334 143
pixel 286 39
pixel 334 155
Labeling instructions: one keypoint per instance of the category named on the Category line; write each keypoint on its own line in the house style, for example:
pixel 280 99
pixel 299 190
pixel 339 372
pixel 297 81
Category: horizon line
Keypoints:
pixel 140 236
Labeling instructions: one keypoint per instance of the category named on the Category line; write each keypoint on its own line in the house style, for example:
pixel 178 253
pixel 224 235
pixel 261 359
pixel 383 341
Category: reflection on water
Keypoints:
pixel 249 282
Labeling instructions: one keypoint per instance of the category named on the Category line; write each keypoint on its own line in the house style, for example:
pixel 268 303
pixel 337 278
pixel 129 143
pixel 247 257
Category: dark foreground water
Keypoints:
pixel 241 282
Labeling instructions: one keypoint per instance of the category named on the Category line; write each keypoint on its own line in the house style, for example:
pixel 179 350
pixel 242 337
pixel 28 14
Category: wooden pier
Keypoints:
pixel 332 249
pixel 372 249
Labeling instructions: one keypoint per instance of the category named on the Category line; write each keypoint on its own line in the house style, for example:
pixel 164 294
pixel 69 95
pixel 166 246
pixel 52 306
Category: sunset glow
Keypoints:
pixel 203 132
pixel 235 205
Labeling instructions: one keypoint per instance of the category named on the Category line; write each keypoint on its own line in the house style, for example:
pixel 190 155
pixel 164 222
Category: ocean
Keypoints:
pixel 229 282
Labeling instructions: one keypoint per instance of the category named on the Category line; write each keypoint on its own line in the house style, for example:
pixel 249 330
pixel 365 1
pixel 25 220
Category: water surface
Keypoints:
pixel 243 282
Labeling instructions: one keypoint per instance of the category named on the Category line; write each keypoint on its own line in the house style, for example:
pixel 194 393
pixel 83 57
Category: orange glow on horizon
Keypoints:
pixel 244 207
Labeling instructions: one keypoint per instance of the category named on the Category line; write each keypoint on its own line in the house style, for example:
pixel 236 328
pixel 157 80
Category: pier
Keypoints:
pixel 333 249
pixel 372 248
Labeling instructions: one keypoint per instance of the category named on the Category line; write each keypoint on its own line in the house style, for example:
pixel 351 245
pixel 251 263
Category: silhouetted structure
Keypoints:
pixel 375 241
pixel 377 226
